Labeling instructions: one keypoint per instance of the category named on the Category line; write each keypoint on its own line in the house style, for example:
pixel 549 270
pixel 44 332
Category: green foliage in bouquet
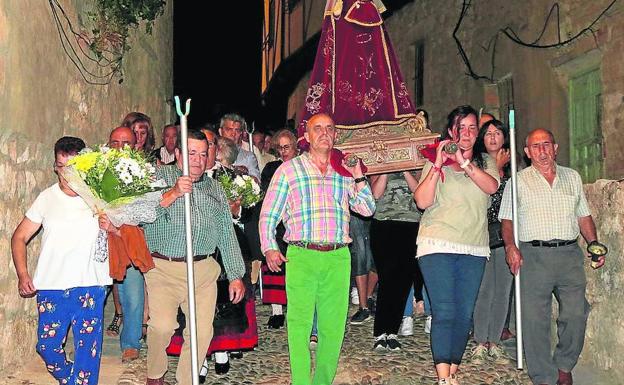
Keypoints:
pixel 113 174
pixel 241 187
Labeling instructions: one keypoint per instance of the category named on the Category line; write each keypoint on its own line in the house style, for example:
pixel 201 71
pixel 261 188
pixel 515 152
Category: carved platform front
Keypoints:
pixel 388 148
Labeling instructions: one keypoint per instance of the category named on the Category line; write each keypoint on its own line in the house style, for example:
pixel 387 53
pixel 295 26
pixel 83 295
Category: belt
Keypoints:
pixel 552 244
pixel 174 259
pixel 319 246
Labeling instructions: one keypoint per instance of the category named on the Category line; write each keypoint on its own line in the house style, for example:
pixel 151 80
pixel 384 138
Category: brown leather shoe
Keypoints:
pixel 129 355
pixel 565 378
pixel 156 381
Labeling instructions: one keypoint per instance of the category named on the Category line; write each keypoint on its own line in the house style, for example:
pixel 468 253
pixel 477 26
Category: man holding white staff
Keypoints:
pixel 552 210
pixel 313 199
pixel 166 239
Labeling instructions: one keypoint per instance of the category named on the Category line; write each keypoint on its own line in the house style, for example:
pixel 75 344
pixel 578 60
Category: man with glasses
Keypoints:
pixel 231 127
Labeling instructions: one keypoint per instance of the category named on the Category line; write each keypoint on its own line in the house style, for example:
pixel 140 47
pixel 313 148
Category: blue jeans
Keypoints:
pixel 82 309
pixel 426 301
pixel 452 282
pixel 409 304
pixel 361 255
pixel 314 325
pixel 131 296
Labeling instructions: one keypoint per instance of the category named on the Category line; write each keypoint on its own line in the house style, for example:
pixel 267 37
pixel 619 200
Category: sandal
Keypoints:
pixel 113 329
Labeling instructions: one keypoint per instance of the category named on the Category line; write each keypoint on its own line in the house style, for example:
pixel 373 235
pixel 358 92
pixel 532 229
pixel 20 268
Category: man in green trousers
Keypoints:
pixel 312 198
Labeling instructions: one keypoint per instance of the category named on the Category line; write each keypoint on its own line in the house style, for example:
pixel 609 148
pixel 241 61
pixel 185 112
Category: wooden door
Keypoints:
pixel 586 155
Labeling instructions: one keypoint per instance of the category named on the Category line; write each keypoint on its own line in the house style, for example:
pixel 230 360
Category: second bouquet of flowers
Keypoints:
pixel 241 187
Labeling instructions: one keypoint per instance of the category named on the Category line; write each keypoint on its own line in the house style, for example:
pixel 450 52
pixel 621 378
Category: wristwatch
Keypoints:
pixel 360 179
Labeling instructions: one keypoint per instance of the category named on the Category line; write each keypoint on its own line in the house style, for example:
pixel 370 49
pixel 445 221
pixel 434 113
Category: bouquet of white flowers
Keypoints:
pixel 241 187
pixel 118 183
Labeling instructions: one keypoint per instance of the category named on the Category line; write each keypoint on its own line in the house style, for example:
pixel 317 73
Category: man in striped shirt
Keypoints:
pixel 313 201
pixel 552 211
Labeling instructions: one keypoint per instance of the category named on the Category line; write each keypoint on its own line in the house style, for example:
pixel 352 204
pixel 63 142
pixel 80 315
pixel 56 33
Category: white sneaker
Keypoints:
pixel 355 297
pixel 428 325
pixel 407 327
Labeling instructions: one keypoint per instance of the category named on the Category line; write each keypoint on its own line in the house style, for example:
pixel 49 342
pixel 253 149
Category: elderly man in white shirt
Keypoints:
pixel 552 211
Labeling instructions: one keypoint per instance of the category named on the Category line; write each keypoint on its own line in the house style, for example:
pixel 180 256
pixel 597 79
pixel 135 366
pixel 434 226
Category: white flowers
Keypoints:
pixel 240 180
pixel 241 187
pixel 129 169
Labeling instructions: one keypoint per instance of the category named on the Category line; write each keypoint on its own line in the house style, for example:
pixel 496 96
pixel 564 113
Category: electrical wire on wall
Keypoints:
pixel 513 36
pixel 93 69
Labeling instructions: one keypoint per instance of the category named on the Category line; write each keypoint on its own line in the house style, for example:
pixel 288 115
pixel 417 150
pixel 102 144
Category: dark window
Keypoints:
pixel 291 5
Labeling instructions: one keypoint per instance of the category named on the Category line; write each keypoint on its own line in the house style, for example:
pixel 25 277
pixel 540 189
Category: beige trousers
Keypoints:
pixel 167 288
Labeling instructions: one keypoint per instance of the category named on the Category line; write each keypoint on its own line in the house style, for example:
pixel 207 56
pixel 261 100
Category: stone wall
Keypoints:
pixel 604 341
pixel 43 97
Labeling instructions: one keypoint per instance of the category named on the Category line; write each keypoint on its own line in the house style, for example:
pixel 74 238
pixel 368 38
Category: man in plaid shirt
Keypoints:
pixel 552 211
pixel 166 238
pixel 313 200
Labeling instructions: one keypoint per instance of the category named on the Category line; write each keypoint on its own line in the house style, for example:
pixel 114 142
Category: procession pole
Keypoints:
pixel 514 205
pixel 190 276
pixel 251 148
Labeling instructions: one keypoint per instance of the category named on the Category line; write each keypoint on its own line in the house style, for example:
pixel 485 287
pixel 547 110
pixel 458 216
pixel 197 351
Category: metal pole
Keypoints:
pixel 260 281
pixel 190 276
pixel 514 205
pixel 250 135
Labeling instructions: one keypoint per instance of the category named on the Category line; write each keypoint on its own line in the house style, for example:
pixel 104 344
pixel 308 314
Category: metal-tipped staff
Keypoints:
pixel 250 137
pixel 514 216
pixel 190 275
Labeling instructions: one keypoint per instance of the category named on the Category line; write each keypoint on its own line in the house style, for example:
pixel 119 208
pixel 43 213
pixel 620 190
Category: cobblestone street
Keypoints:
pixel 268 364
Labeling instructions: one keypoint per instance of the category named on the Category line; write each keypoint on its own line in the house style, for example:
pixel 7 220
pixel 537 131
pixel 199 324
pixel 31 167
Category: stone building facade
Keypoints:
pixel 575 89
pixel 43 97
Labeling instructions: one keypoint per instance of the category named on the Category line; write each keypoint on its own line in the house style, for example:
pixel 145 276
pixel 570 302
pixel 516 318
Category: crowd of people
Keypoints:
pixel 437 243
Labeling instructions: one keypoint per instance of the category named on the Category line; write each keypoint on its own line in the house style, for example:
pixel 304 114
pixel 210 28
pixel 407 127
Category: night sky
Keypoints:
pixel 217 57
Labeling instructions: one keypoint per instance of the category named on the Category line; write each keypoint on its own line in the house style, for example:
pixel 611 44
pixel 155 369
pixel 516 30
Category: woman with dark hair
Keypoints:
pixel 493 300
pixel 141 125
pixel 452 240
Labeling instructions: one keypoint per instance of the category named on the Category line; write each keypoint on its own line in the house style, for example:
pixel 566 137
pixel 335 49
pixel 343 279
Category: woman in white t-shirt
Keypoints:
pixel 69 283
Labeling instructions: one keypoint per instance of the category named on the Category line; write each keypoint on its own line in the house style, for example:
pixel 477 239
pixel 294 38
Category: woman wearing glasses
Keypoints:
pixel 274 283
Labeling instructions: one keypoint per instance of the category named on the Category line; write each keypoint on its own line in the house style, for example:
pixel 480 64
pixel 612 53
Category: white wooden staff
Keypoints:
pixel 514 216
pixel 190 275
pixel 253 151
